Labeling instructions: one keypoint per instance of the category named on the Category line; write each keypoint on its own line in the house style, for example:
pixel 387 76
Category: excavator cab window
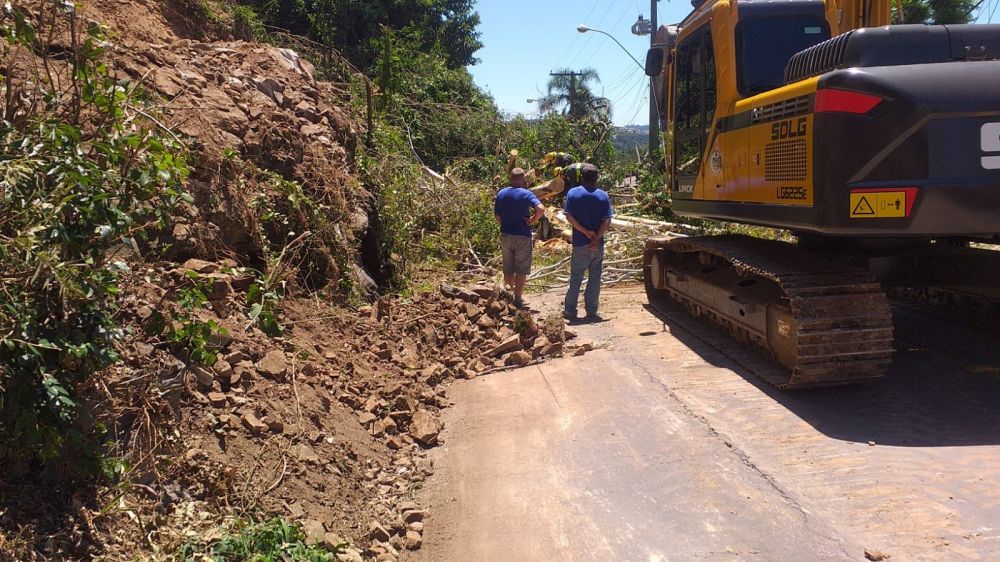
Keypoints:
pixel 695 97
pixel 764 45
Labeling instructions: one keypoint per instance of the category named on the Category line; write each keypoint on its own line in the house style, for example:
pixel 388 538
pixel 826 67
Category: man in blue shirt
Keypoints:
pixel 516 209
pixel 588 209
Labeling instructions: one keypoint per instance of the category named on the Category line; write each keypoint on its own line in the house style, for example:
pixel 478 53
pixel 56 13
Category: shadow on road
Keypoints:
pixel 943 388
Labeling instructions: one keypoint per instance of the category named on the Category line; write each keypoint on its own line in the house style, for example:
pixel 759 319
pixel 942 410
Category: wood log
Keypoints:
pixel 549 189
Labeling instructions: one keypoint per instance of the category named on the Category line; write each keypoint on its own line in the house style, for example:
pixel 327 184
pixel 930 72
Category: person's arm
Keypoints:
pixel 568 211
pixel 539 212
pixel 585 231
pixel 605 225
pixel 537 206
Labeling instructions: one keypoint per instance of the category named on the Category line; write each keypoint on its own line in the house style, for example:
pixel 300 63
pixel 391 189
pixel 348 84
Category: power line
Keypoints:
pixel 589 37
pixel 577 37
pixel 629 89
pixel 626 77
pixel 638 108
pixel 974 8
pixel 613 27
pixel 626 97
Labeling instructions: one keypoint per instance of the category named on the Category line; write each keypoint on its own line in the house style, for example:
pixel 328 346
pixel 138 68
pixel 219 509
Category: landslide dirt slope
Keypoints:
pixel 327 425
pixel 252 114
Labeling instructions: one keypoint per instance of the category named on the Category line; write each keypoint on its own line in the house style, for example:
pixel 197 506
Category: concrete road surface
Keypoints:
pixel 659 445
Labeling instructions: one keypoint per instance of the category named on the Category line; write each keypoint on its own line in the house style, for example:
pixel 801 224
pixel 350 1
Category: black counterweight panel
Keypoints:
pixel 956 149
pixel 927 135
pixel 897 45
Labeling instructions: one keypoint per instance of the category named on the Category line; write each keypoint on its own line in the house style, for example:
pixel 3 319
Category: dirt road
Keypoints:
pixel 660 445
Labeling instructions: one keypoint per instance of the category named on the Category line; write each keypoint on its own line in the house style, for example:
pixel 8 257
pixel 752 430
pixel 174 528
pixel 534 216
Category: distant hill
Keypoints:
pixel 627 138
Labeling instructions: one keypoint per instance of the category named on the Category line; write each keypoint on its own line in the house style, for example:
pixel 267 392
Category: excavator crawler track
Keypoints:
pixel 825 323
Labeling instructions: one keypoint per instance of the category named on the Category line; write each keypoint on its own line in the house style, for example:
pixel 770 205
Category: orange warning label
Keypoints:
pixel 883 204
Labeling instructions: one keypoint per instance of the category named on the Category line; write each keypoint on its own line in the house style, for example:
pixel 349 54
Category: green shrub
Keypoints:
pixel 82 176
pixel 534 138
pixel 191 336
pixel 275 540
pixel 263 308
pixel 247 24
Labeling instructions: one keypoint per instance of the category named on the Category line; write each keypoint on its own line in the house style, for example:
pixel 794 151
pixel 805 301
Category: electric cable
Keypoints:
pixel 613 26
pixel 577 36
pixel 590 36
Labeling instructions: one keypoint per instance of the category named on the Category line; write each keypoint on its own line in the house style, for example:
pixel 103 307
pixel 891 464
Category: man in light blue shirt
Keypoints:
pixel 516 209
pixel 588 209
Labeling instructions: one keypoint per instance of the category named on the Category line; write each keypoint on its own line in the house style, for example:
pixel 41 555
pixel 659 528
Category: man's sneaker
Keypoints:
pixel 594 318
pixel 568 316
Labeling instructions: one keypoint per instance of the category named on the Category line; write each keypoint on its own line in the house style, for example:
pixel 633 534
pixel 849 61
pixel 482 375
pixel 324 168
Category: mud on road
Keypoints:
pixel 661 445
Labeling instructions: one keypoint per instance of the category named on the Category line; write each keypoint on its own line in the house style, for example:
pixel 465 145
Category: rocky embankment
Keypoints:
pixel 328 425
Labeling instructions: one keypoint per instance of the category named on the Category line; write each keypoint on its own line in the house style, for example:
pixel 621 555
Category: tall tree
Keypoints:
pixel 570 92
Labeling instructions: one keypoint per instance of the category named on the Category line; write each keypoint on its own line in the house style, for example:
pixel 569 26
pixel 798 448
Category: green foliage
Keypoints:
pixel 263 304
pixel 194 336
pixel 82 175
pixel 275 540
pixel 190 335
pixel 934 11
pixel 247 25
pixel 355 28
pixel 442 112
pixel 300 232
pixel 481 229
pixel 586 139
pixel 426 220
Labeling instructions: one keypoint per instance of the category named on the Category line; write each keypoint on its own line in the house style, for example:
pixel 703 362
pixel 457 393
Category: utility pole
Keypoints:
pixel 654 114
pixel 572 89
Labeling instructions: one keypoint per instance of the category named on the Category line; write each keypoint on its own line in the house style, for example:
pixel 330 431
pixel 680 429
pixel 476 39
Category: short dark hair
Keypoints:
pixel 589 174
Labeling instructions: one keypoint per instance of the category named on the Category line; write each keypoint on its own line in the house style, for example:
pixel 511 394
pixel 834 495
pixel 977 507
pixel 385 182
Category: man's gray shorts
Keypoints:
pixel 516 254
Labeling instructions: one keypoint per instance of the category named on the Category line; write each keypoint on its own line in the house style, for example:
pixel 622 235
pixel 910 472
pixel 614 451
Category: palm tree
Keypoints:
pixel 574 102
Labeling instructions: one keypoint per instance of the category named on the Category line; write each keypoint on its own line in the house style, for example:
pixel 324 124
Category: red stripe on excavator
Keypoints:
pixel 842 101
pixel 911 194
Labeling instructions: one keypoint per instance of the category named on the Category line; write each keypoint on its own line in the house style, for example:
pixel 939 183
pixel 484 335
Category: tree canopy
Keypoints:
pixel 354 26
pixel 936 11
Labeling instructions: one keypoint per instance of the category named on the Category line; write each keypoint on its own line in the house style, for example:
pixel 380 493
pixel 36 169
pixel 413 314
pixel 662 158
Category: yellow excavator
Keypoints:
pixel 876 145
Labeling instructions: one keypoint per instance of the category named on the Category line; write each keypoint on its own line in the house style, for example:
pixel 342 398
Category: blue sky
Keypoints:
pixel 525 39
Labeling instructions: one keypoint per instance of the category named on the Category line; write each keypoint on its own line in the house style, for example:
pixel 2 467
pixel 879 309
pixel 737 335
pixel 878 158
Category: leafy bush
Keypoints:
pixel 247 24
pixel 191 335
pixel 83 176
pixel 263 304
pixel 274 540
pixel 584 138
pixel 440 111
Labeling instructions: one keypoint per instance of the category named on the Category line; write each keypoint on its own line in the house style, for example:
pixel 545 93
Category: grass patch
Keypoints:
pixel 273 540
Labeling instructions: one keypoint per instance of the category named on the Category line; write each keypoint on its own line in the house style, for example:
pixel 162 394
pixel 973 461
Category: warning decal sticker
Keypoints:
pixel 882 204
pixel 863 208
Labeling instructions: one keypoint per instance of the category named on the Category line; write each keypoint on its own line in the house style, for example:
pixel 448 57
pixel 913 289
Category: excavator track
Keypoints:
pixel 825 323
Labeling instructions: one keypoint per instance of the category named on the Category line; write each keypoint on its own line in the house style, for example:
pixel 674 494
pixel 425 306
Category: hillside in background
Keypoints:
pixel 630 137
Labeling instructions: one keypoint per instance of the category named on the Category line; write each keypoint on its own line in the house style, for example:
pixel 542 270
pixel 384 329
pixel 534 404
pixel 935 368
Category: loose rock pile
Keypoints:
pixel 401 356
pixel 343 408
